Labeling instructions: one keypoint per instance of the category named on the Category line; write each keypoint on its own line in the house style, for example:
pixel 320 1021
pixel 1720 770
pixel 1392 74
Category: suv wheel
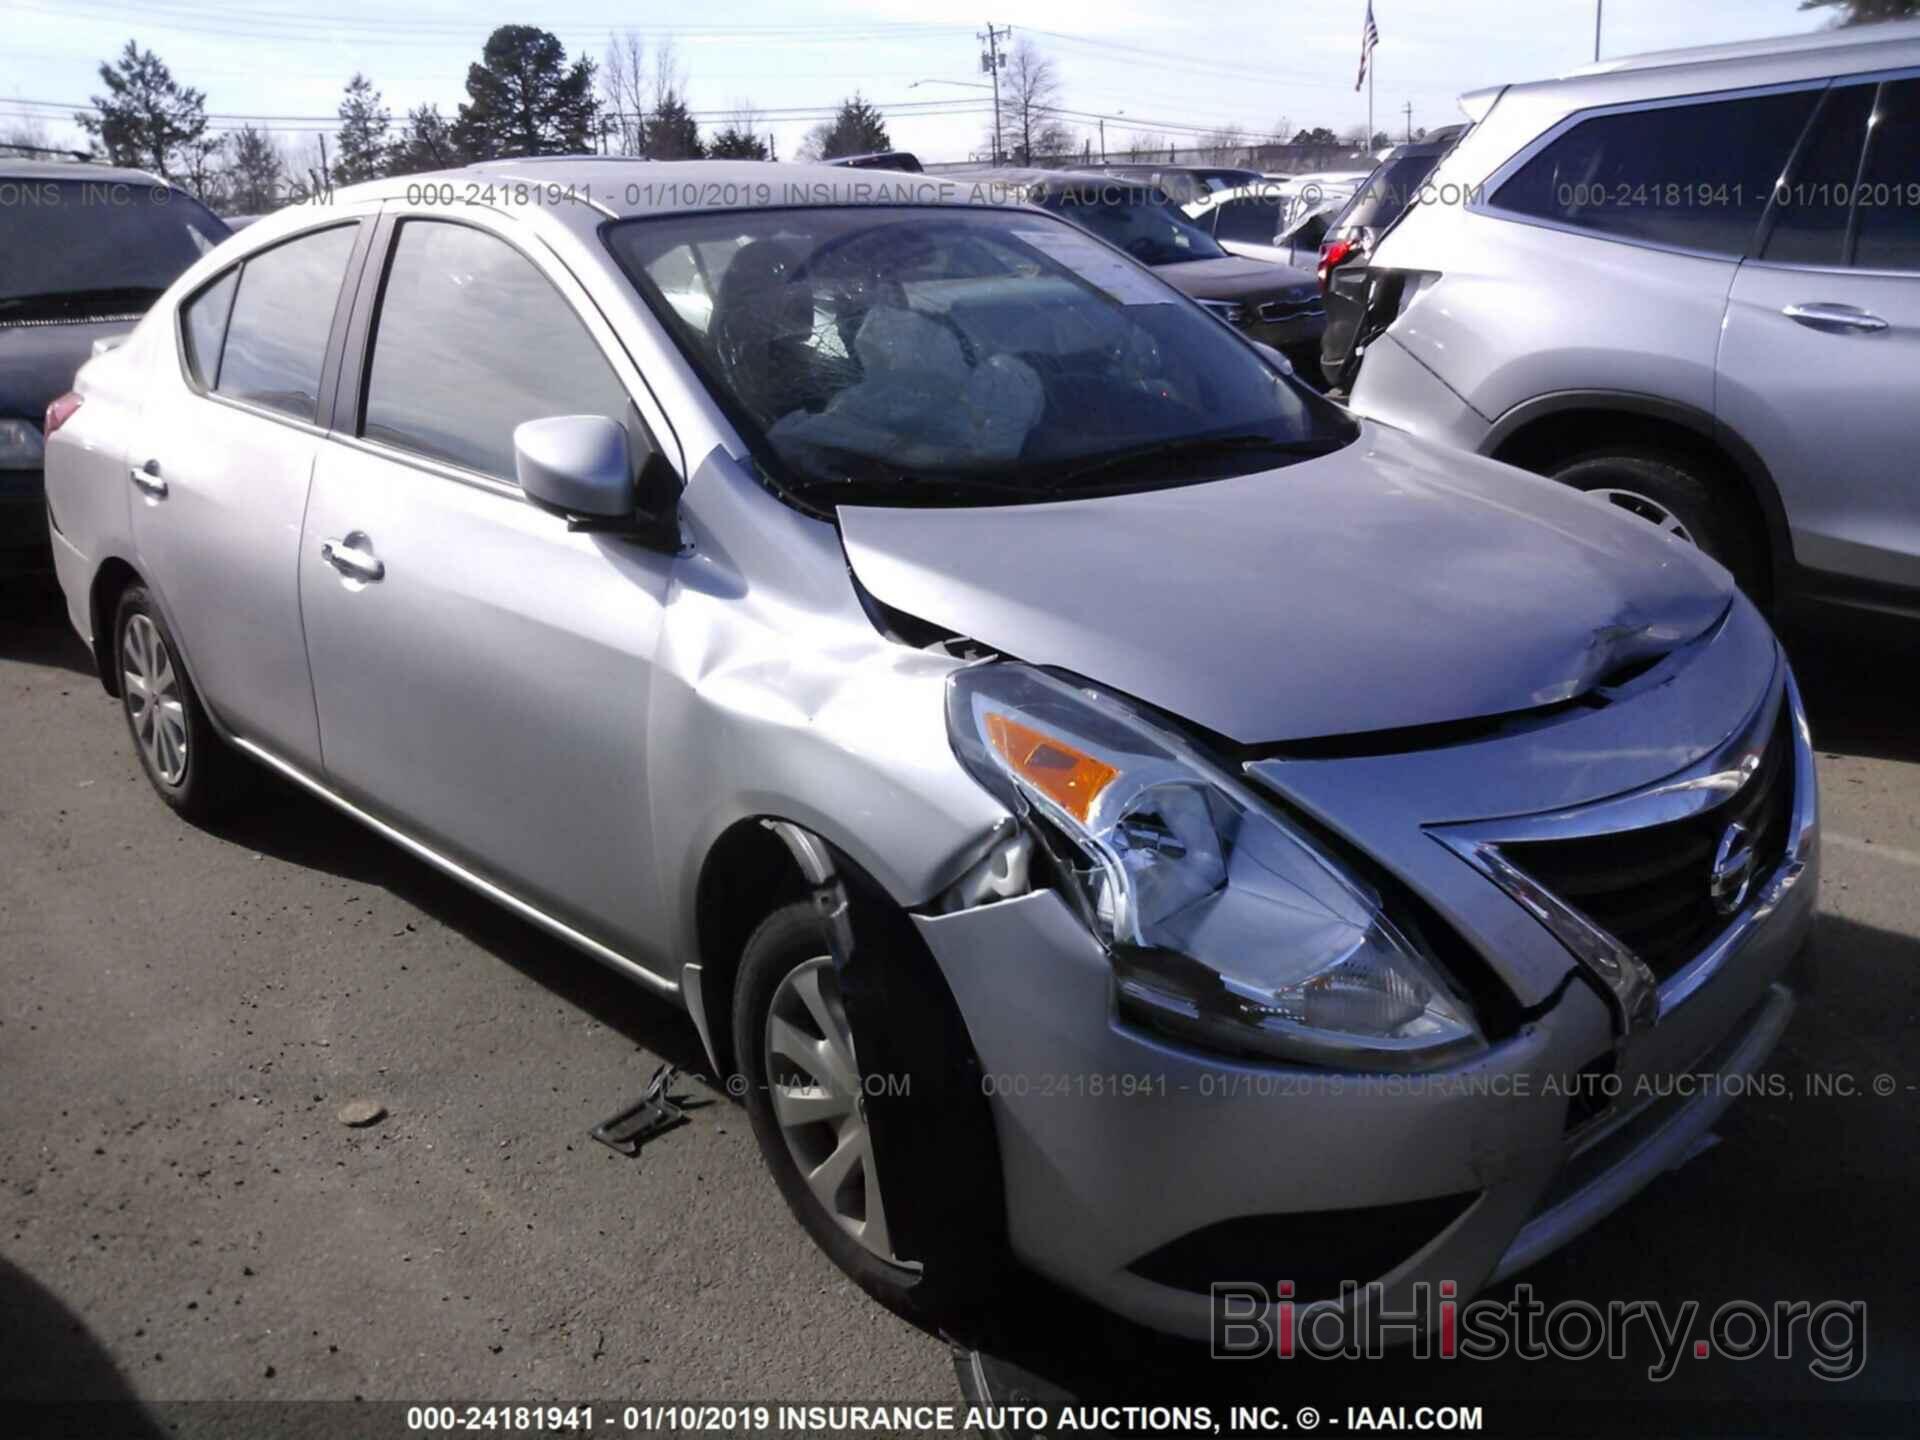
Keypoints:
pixel 1670 492
pixel 804 1097
pixel 189 765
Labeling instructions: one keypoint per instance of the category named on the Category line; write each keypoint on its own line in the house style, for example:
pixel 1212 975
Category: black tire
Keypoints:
pixel 787 940
pixel 1713 517
pixel 210 777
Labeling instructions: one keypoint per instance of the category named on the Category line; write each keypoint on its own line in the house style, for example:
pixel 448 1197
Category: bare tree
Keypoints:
pixel 1030 97
pixel 814 145
pixel 24 137
pixel 623 92
pixel 1225 146
pixel 1145 145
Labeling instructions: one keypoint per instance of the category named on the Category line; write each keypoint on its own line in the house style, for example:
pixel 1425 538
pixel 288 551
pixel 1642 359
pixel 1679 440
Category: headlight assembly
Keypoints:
pixel 1225 924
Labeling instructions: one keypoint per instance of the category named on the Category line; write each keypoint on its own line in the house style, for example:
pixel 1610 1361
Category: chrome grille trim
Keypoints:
pixel 1637 997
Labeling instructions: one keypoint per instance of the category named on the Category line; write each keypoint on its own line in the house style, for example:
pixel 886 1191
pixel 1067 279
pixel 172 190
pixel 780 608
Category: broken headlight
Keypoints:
pixel 1225 924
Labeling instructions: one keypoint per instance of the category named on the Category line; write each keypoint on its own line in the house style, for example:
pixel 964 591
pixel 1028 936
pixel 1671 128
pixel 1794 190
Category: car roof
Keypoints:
pixel 624 186
pixel 1512 116
pixel 34 168
pixel 1738 50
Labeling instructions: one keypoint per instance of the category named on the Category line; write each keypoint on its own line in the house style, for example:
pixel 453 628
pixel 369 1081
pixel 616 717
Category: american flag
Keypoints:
pixel 1369 38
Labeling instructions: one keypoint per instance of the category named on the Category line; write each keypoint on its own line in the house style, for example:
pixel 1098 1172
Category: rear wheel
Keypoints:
pixel 1677 495
pixel 188 764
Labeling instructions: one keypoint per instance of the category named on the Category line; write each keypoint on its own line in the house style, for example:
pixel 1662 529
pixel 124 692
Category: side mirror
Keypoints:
pixel 575 465
pixel 581 467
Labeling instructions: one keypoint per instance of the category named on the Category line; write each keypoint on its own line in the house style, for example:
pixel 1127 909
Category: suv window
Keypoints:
pixel 1889 198
pixel 472 340
pixel 1251 220
pixel 1809 221
pixel 94 247
pixel 1697 176
pixel 205 324
pixel 277 338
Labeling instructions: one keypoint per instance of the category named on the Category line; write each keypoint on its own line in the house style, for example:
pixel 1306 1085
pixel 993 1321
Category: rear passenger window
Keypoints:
pixel 282 313
pixel 204 324
pixel 1889 196
pixel 1809 222
pixel 471 341
pixel 1251 221
pixel 1695 176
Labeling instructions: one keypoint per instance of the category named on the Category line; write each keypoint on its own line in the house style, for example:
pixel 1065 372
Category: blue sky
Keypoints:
pixel 1150 64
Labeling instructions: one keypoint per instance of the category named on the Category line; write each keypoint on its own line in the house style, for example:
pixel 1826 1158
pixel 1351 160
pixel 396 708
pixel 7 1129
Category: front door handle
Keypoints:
pixel 353 557
pixel 1834 319
pixel 147 477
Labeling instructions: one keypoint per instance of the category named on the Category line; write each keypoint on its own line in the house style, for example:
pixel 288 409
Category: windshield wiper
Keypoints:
pixel 909 489
pixel 1193 447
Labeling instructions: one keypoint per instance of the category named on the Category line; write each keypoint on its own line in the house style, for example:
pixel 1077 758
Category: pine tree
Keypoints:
pixel 361 148
pixel 526 99
pixel 146 118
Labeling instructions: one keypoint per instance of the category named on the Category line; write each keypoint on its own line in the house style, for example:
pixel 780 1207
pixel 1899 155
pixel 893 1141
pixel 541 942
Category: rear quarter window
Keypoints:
pixel 282 314
pixel 203 327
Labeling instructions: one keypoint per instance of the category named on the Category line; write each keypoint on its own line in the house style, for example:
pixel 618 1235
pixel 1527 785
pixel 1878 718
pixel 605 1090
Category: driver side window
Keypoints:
pixel 471 340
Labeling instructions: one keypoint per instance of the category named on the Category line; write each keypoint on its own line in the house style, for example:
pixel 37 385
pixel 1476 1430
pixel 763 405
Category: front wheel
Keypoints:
pixel 795 1049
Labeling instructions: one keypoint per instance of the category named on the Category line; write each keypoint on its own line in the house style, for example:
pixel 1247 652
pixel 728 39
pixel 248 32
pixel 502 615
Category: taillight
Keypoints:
pixel 59 412
pixel 1333 254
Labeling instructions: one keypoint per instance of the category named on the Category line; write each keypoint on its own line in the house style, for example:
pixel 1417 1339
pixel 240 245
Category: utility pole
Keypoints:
pixel 1599 9
pixel 991 61
pixel 1408 107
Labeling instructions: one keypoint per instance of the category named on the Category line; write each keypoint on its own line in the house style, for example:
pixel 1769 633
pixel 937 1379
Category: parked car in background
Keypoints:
pixel 1184 183
pixel 1275 304
pixel 1688 284
pixel 1279 221
pixel 84 249
pixel 1350 235
pixel 946 661
pixel 882 160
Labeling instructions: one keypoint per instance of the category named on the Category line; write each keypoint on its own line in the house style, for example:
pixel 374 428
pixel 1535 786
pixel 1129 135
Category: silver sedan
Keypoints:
pixel 1109 807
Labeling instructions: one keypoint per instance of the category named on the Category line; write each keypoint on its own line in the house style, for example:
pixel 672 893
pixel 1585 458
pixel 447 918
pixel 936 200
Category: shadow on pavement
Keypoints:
pixel 56 1378
pixel 292 825
pixel 34 628
pixel 1859 673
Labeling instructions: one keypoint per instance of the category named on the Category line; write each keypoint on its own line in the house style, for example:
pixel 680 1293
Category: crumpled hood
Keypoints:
pixel 1234 277
pixel 1391 584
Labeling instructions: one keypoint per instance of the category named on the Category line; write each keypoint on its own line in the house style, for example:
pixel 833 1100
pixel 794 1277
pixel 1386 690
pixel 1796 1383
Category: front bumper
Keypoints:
pixel 1120 1149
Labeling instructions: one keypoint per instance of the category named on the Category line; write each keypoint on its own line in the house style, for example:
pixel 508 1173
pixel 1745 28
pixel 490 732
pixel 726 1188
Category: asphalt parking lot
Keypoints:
pixel 183 1012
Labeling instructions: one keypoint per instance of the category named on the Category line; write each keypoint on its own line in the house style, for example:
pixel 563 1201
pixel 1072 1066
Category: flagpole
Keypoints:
pixel 1369 106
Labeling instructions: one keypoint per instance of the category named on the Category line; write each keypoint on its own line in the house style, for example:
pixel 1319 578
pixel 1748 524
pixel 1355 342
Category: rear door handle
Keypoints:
pixel 353 557
pixel 147 477
pixel 1834 319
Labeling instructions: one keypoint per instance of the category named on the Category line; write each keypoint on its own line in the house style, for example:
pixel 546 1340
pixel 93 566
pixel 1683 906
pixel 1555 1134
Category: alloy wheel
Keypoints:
pixel 813 1083
pixel 151 686
pixel 1649 510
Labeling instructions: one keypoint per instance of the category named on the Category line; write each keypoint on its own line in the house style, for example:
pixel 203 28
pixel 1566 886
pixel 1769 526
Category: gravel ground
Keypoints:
pixel 183 1012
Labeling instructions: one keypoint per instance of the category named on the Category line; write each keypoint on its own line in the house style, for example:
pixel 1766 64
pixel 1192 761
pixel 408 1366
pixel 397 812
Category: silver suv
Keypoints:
pixel 1688 283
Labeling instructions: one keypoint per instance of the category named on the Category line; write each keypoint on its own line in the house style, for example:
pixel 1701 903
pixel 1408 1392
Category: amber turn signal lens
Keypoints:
pixel 1070 778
